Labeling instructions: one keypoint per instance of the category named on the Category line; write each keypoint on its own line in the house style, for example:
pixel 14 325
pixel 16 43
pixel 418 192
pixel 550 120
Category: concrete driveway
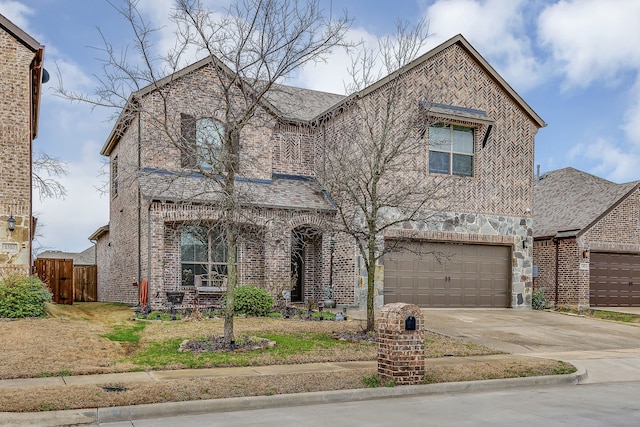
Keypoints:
pixel 609 351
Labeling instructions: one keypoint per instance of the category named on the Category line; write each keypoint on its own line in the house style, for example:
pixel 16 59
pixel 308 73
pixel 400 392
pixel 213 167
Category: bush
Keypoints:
pixel 538 300
pixel 22 296
pixel 252 301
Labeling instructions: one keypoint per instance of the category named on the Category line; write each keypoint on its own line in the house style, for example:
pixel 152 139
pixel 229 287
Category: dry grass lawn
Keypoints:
pixel 71 342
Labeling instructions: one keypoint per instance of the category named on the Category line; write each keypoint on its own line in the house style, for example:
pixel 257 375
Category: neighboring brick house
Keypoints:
pixel 20 80
pixel 587 240
pixel 487 232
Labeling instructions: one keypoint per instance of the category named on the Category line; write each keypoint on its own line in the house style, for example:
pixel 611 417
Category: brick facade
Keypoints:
pixel 565 281
pixel 20 62
pixel 144 233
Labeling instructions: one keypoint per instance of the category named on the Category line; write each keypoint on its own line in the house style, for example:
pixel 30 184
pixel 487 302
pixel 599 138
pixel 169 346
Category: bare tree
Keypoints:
pixel 251 47
pixel 46 171
pixel 373 164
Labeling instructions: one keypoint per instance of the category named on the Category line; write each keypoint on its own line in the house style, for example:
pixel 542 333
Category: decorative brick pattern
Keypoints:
pixel 400 351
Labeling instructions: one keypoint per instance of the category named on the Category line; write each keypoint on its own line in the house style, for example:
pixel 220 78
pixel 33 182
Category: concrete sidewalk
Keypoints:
pixel 96 416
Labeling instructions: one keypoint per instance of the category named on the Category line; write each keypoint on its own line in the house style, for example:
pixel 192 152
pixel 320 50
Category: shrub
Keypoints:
pixel 538 300
pixel 252 301
pixel 23 296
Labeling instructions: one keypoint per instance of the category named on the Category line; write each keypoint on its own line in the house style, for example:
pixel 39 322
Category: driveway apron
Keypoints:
pixel 610 351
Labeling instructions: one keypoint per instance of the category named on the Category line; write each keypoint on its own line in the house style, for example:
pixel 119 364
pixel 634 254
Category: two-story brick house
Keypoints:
pixel 587 240
pixel 158 207
pixel 21 59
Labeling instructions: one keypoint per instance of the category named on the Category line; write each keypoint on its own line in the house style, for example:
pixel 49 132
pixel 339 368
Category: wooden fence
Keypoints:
pixel 68 283
pixel 58 275
pixel 85 283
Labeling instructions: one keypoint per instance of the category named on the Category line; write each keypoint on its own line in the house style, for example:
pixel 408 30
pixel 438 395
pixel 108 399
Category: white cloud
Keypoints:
pixel 497 28
pixel 16 12
pixel 331 75
pixel 608 160
pixel 632 116
pixel 592 39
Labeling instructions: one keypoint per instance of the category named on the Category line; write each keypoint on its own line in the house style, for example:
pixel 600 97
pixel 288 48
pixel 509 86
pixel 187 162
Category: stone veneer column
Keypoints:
pixel 400 351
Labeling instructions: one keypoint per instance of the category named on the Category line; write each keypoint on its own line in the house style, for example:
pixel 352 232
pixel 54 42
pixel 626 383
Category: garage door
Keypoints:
pixel 448 275
pixel 614 280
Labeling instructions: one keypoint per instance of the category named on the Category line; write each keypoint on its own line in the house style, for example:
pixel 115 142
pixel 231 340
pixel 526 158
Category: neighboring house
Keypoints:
pixel 86 257
pixel 21 71
pixel 153 234
pixel 587 240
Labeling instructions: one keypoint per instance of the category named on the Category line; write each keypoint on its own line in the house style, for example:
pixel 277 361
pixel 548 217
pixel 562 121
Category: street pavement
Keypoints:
pixel 603 405
pixel 603 351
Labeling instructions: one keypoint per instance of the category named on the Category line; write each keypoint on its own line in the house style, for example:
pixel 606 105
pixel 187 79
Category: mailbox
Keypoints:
pixel 410 323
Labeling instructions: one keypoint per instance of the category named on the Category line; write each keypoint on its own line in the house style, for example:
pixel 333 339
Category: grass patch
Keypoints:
pixel 288 348
pixel 605 315
pixel 373 381
pixel 126 333
pixel 616 317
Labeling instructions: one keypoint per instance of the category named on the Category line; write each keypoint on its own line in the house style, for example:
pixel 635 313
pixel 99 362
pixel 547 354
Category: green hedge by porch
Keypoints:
pixel 252 301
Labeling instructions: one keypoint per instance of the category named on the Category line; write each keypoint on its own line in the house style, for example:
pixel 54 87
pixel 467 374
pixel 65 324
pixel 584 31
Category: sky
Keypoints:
pixel 575 62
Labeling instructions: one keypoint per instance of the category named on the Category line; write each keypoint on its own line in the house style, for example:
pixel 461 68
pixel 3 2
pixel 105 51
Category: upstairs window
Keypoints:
pixel 451 149
pixel 201 143
pixel 209 134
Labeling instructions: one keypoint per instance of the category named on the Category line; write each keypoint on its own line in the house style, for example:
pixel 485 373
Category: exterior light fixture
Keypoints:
pixel 585 253
pixel 11 223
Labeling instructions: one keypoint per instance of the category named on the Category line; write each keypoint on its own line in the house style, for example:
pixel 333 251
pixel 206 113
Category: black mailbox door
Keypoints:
pixel 410 323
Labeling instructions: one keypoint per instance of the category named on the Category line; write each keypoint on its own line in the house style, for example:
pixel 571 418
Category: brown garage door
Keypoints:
pixel 448 275
pixel 614 280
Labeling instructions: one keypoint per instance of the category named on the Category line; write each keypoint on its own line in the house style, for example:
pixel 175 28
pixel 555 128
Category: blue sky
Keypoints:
pixel 576 62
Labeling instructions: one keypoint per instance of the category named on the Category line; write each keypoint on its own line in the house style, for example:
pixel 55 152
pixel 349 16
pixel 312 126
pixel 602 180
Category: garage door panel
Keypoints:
pixel 613 278
pixel 450 275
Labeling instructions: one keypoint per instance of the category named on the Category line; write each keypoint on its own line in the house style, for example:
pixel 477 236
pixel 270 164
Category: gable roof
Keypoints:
pixel 36 67
pixel 466 46
pixel 567 201
pixel 86 257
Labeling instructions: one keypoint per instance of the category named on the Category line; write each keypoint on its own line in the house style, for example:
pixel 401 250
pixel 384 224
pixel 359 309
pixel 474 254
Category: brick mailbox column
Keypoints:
pixel 401 344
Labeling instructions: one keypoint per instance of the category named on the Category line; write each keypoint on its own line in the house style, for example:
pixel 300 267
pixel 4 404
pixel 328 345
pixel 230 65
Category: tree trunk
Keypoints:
pixel 371 275
pixel 232 280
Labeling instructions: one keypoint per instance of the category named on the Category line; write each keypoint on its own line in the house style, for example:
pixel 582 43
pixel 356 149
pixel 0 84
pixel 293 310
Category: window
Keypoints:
pixel 451 149
pixel 114 176
pixel 209 134
pixel 203 251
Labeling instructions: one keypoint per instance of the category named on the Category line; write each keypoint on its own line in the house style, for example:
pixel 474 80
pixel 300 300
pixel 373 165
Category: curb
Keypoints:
pixel 195 407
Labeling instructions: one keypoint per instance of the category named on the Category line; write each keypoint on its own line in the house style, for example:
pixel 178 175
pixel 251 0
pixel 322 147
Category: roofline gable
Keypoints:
pixel 460 40
pixel 609 209
pixel 19 34
pixel 123 121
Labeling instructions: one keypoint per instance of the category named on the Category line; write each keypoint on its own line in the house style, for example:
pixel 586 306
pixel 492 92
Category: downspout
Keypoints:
pixel 140 209
pixel 149 255
pixel 557 243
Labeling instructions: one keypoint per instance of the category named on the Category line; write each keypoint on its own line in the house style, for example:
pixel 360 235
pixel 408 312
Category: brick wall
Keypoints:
pixel 15 153
pixel 572 282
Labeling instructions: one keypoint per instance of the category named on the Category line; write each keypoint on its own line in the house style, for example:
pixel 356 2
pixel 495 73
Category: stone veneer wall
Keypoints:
pixel 474 229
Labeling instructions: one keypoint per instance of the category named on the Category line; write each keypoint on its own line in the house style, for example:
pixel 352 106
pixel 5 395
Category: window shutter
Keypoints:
pixel 188 141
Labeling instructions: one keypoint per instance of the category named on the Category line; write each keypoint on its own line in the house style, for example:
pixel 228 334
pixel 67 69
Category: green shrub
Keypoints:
pixel 23 296
pixel 252 301
pixel 538 300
